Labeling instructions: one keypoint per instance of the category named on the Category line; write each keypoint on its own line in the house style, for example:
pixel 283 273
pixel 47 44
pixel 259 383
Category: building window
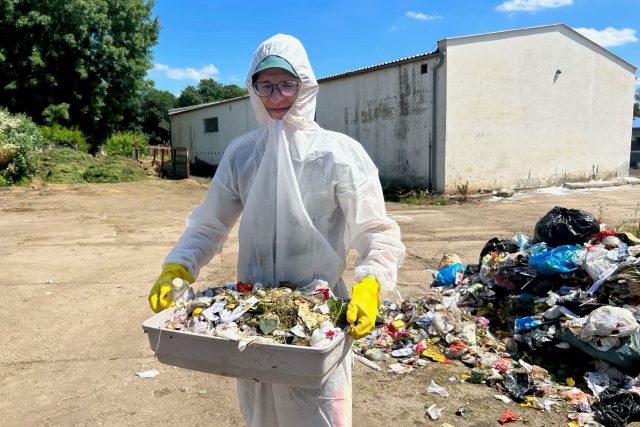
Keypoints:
pixel 211 125
pixel 424 68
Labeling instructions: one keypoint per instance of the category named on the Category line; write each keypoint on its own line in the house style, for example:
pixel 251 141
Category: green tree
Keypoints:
pixel 636 105
pixel 189 96
pixel 154 114
pixel 208 90
pixel 91 55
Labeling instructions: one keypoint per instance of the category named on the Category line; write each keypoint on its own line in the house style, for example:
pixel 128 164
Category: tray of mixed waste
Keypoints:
pixel 272 335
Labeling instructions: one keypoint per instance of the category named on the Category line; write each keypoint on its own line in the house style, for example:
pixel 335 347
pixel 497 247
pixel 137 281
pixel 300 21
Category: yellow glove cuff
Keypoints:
pixel 176 270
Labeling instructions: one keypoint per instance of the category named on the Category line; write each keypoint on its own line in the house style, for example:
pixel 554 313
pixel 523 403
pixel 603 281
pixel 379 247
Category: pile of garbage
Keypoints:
pixel 250 313
pixel 547 319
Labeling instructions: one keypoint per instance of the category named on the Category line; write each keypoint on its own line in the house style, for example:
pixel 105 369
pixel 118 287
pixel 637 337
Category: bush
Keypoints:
pixel 122 143
pixel 61 136
pixel 114 169
pixel 19 138
pixel 56 113
pixel 7 153
pixel 65 166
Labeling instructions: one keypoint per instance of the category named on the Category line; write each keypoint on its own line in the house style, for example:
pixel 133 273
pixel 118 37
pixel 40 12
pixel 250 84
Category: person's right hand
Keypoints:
pixel 160 295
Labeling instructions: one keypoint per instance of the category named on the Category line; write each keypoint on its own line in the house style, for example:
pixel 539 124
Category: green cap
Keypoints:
pixel 274 61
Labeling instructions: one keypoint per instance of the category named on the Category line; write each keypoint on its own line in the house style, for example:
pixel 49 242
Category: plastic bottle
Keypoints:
pixel 179 289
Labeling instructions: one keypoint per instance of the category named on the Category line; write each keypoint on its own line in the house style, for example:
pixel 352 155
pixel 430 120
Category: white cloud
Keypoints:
pixel 609 36
pixel 422 17
pixel 531 5
pixel 394 28
pixel 206 72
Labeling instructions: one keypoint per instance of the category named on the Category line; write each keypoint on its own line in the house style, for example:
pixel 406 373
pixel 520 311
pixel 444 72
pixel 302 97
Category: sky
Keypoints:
pixel 216 38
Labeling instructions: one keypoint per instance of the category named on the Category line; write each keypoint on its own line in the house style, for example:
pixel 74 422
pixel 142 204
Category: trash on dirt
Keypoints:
pixel 151 373
pixel 518 384
pixel 462 412
pixel 597 382
pixel 367 362
pixel 508 416
pixel 435 388
pixel 434 412
pixel 448 259
pixel 399 368
pixel 566 301
pixel 617 407
pixel 561 226
pixel 502 398
pixel 451 275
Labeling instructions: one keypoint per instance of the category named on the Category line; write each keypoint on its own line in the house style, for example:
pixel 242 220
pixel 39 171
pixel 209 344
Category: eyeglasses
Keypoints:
pixel 287 88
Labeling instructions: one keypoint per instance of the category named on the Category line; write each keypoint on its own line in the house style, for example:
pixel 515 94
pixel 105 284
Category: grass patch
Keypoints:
pixel 413 197
pixel 66 166
pixel 420 197
pixel 439 201
pixel 633 225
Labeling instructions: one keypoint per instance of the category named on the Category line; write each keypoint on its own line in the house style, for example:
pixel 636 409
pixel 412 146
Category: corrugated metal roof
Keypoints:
pixel 330 77
pixel 207 104
pixel 378 66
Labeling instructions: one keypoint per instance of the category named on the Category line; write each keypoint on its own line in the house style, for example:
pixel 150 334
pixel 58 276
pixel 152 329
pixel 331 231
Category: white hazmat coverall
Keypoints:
pixel 307 196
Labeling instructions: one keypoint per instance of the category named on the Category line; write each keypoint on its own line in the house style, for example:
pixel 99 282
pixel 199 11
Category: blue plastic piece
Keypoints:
pixel 447 276
pixel 526 323
pixel 556 261
pixel 538 248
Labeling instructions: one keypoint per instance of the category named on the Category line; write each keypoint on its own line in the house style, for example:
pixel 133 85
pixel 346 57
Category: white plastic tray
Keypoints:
pixel 271 363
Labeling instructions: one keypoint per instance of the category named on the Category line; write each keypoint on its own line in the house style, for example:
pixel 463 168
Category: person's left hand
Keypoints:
pixel 363 308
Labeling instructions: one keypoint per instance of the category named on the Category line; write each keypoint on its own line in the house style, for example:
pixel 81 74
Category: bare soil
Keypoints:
pixel 77 262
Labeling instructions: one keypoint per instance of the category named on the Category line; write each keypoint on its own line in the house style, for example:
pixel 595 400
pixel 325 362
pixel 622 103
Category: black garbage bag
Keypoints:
pixel 521 276
pixel 562 226
pixel 536 340
pixel 617 407
pixel 498 245
pixel 518 384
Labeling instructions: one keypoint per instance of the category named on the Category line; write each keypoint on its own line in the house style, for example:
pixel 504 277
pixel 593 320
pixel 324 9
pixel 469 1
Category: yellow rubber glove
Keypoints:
pixel 160 295
pixel 363 308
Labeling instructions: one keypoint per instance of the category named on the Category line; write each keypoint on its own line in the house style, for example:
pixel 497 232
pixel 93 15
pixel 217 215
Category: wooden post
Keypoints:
pixel 186 156
pixel 174 158
pixel 161 162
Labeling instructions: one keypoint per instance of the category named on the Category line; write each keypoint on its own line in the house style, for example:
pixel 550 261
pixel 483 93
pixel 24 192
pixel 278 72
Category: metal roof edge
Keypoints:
pixel 379 66
pixel 175 111
pixel 349 73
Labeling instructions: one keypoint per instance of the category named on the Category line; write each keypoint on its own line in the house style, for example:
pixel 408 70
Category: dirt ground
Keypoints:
pixel 78 261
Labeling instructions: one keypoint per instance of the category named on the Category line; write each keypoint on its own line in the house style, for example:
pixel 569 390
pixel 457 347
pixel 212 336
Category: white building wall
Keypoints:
pixel 235 118
pixel 513 121
pixel 388 110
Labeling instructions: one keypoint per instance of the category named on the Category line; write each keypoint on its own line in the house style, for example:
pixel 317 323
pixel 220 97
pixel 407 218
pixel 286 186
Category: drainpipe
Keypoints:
pixel 434 127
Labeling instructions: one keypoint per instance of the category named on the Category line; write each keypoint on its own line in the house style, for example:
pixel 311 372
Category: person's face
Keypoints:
pixel 276 104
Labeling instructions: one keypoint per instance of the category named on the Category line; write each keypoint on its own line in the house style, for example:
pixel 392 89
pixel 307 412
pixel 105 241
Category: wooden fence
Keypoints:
pixel 179 160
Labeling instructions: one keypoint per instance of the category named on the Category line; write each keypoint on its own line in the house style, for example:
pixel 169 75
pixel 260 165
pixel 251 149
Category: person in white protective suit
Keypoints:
pixel 307 196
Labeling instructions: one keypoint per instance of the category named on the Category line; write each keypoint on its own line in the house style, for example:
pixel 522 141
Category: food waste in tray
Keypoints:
pixel 250 313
